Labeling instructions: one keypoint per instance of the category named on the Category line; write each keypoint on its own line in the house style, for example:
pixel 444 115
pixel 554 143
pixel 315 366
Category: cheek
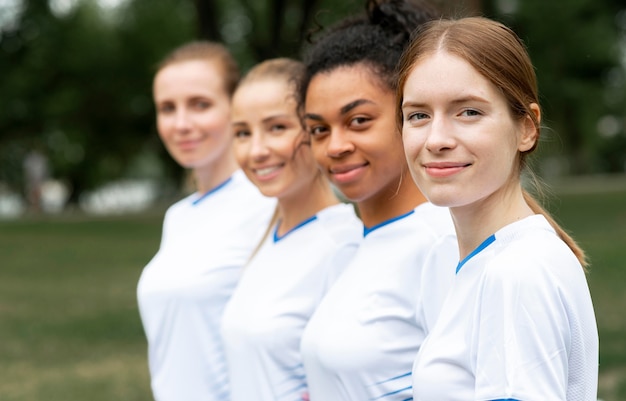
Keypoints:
pixel 163 126
pixel 217 119
pixel 306 159
pixel 318 149
pixel 240 150
pixel 409 145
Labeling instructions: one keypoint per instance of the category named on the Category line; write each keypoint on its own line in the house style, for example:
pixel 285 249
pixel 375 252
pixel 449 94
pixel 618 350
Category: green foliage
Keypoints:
pixel 78 85
pixel 258 30
pixel 575 47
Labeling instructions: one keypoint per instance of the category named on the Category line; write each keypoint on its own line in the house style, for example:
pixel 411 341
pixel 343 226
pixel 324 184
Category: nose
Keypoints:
pixel 440 135
pixel 338 144
pixel 182 120
pixel 258 147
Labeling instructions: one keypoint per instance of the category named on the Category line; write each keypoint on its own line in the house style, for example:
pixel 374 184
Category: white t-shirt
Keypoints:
pixel 361 342
pixel 278 292
pixel 184 288
pixel 517 324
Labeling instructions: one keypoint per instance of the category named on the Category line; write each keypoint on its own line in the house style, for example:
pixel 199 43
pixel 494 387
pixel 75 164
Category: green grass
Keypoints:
pixel 597 220
pixel 69 325
pixel 70 330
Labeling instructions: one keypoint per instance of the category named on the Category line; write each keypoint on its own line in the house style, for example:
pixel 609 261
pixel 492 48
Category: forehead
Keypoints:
pixel 335 88
pixel 274 93
pixel 264 88
pixel 190 76
pixel 445 73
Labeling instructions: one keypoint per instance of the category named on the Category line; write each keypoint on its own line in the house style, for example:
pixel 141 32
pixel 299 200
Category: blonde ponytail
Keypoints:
pixel 266 234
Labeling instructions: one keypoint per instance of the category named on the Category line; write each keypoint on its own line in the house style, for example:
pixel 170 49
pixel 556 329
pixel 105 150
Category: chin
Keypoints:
pixel 268 191
pixel 353 195
pixel 443 200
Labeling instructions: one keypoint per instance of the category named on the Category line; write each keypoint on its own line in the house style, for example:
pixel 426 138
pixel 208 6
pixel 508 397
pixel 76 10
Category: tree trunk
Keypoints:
pixel 208 20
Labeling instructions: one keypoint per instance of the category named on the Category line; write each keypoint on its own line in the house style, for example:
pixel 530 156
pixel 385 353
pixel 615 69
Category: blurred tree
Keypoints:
pixel 258 30
pixel 576 52
pixel 76 81
pixel 78 86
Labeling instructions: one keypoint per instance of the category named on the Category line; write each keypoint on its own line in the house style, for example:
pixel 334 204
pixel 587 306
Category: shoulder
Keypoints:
pixel 182 204
pixel 435 218
pixel 428 223
pixel 530 251
pixel 341 224
pixel 243 196
pixel 239 183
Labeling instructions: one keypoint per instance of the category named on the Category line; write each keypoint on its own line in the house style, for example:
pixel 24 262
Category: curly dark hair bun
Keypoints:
pixel 375 39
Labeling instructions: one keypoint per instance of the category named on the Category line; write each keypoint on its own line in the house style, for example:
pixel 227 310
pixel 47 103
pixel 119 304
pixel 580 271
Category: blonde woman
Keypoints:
pixel 207 237
pixel 312 238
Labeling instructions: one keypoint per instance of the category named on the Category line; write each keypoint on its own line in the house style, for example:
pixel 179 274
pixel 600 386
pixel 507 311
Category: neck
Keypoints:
pixel 213 174
pixel 476 222
pixel 398 198
pixel 305 203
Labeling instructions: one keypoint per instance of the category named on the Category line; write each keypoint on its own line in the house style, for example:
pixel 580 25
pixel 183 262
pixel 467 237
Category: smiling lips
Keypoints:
pixel 348 172
pixel 444 169
pixel 267 173
pixel 188 145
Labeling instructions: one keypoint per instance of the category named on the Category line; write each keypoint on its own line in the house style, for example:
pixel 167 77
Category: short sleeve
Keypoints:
pixel 521 343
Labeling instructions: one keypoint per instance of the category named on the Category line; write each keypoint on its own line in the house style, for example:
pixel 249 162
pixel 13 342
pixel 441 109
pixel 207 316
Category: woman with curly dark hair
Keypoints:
pixel 361 342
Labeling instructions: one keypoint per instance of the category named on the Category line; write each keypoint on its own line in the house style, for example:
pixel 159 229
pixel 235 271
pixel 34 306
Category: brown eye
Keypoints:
pixel 241 133
pixel 165 108
pixel 278 127
pixel 359 121
pixel 200 104
pixel 317 130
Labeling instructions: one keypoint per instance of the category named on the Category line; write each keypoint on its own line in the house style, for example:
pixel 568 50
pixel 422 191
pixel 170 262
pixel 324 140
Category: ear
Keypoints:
pixel 530 132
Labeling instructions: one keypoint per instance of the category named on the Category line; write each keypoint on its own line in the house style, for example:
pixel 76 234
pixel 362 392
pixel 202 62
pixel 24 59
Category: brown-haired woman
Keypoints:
pixel 518 323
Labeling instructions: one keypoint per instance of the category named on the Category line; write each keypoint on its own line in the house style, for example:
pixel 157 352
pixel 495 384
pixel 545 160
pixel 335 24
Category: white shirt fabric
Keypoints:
pixel 278 292
pixel 183 290
pixel 361 342
pixel 518 324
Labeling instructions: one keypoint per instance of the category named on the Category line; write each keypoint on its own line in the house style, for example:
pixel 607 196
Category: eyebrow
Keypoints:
pixel 348 107
pixel 265 120
pixel 461 100
pixel 276 117
pixel 344 110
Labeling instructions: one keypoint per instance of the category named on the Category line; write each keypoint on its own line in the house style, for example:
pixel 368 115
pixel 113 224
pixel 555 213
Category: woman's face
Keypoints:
pixel 349 114
pixel 269 141
pixel 461 140
pixel 193 112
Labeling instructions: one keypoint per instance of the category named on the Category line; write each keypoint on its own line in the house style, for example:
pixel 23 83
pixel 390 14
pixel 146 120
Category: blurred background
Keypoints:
pixel 76 114
pixel 84 179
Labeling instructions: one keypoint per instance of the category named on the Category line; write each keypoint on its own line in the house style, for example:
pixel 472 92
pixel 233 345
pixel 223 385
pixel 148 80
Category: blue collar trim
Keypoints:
pixel 212 191
pixel 366 230
pixel 476 251
pixel 302 224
